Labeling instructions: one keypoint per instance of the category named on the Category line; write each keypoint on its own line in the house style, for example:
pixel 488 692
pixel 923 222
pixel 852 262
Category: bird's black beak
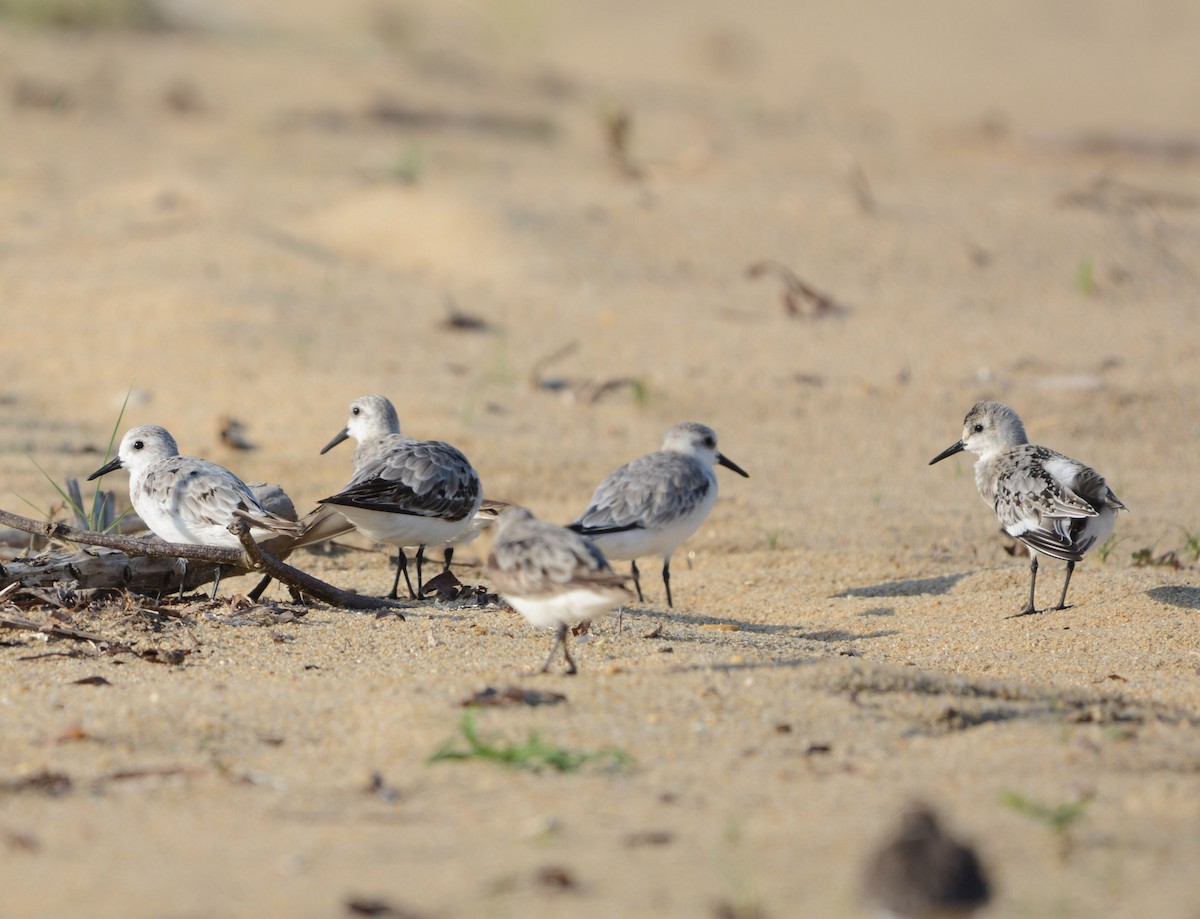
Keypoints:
pixel 949 451
pixel 730 464
pixel 341 435
pixel 111 466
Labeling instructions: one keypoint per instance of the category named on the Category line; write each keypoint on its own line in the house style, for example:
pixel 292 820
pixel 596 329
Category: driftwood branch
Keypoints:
pixel 120 573
pixel 130 545
pixel 306 583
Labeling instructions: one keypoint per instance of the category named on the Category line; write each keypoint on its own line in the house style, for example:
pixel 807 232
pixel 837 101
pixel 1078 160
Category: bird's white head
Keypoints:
pixel 370 417
pixel 988 428
pixel 700 441
pixel 140 447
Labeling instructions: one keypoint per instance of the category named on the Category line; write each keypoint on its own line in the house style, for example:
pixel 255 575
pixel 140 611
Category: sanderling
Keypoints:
pixel 1053 504
pixel 551 576
pixel 651 505
pixel 404 492
pixel 923 872
pixel 186 499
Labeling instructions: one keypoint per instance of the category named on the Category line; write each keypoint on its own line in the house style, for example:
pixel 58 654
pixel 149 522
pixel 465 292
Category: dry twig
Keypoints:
pixel 800 299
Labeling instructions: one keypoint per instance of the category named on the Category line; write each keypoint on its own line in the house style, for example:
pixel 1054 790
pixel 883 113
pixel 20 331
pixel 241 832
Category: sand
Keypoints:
pixel 267 212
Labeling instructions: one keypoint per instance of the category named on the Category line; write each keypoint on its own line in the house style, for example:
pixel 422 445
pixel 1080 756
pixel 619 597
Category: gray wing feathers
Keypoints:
pixel 545 559
pixel 647 492
pixel 208 493
pixel 427 478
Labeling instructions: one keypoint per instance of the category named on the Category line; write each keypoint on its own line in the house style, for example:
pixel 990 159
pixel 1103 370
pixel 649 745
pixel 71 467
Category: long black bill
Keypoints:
pixel 949 451
pixel 730 464
pixel 341 435
pixel 111 466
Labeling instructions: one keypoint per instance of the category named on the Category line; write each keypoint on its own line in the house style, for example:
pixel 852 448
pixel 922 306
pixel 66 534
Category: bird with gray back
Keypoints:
pixel 651 505
pixel 185 499
pixel 1054 505
pixel 552 576
pixel 404 492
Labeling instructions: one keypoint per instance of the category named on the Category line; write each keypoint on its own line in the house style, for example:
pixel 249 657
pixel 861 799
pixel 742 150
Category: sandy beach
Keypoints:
pixel 548 232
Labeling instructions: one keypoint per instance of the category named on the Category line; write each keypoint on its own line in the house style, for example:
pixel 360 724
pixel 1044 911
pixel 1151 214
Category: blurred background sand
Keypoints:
pixel 267 209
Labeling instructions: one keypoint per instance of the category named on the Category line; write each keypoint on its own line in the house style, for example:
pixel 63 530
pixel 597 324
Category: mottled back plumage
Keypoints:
pixel 1055 505
pixel 552 576
pixel 537 558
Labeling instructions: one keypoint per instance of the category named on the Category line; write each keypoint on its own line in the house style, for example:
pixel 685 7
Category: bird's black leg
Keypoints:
pixel 560 638
pixel 1062 601
pixel 637 584
pixel 1029 609
pixel 401 566
pixel 420 562
pixel 447 554
pixel 667 582
pixel 216 583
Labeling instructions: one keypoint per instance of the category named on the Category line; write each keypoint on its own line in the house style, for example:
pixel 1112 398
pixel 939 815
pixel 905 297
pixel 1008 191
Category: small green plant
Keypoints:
pixel 100 517
pixel 1104 550
pixel 772 538
pixel 641 392
pixel 534 754
pixel 1191 543
pixel 1058 818
pixel 88 15
pixel 1085 278
pixel 409 165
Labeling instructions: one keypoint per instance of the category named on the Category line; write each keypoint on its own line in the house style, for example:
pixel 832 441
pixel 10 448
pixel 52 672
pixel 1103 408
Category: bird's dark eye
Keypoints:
pixel 709 442
pixel 356 411
pixel 137 445
pixel 978 427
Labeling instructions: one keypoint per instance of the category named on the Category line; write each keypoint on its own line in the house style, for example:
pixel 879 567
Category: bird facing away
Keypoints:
pixel 923 872
pixel 1053 504
pixel 404 491
pixel 652 504
pixel 552 576
pixel 186 499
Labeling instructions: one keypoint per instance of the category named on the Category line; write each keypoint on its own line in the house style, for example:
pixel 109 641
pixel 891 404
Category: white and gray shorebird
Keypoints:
pixel 185 499
pixel 1053 504
pixel 552 576
pixel 652 504
pixel 405 492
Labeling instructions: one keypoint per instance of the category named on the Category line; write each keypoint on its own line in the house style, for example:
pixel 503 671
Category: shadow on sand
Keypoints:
pixel 909 587
pixel 1185 597
pixel 726 667
pixel 764 628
